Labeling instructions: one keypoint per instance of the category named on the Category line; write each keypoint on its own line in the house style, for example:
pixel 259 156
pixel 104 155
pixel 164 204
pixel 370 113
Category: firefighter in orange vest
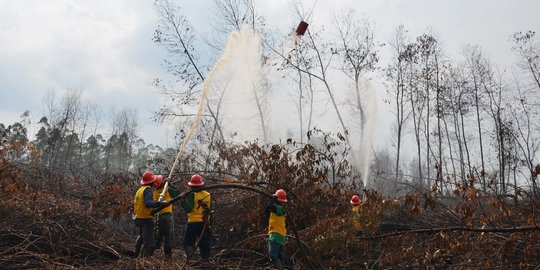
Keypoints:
pixel 357 212
pixel 164 218
pixel 197 207
pixel 276 227
pixel 142 205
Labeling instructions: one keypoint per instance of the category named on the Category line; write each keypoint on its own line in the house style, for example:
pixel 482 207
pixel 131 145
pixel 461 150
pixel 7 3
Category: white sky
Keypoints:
pixel 105 47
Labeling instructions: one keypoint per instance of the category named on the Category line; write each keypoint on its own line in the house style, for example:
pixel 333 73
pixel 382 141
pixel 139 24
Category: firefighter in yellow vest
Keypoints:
pixel 276 228
pixel 142 205
pixel 164 218
pixel 197 207
pixel 357 211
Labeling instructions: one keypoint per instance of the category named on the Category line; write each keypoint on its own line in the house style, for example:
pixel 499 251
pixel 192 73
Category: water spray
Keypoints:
pixel 368 139
pixel 200 109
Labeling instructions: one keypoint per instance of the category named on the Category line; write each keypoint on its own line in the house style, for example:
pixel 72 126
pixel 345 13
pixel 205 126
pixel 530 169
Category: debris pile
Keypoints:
pixel 48 221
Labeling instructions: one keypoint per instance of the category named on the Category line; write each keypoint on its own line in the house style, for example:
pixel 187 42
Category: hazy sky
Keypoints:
pixel 105 48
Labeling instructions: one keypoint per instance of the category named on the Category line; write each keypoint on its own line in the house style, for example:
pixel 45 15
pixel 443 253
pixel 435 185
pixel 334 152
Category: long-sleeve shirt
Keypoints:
pixel 149 199
pixel 143 202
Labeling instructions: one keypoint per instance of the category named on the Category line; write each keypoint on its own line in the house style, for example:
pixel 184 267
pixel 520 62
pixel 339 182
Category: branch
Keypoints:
pixel 464 229
pixel 186 193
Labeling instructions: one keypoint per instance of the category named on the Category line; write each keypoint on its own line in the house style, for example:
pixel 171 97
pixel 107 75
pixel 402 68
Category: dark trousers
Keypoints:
pixel 275 252
pixel 145 240
pixel 194 230
pixel 165 232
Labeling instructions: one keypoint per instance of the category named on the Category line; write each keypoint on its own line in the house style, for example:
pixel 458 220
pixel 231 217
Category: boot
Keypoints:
pixel 138 245
pixel 278 264
pixel 168 252
pixel 188 251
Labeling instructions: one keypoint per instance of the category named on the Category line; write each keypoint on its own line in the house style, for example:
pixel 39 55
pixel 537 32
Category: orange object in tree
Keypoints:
pixel 302 27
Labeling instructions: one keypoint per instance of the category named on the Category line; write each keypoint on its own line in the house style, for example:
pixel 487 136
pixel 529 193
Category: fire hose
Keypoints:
pixel 313 261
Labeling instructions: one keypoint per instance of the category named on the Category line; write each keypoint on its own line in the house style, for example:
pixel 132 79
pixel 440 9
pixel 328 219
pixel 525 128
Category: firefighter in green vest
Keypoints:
pixel 142 206
pixel 276 228
pixel 357 212
pixel 197 207
pixel 164 218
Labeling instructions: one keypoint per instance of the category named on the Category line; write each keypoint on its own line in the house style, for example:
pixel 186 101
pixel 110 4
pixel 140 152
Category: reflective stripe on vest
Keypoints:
pixel 196 214
pixel 276 224
pixel 141 211
pixel 167 198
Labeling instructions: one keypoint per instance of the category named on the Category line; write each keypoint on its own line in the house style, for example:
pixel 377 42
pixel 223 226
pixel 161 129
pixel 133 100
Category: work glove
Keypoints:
pixel 164 204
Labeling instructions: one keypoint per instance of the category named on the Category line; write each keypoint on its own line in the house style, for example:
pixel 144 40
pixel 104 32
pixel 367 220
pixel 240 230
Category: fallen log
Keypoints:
pixel 464 229
pixel 184 194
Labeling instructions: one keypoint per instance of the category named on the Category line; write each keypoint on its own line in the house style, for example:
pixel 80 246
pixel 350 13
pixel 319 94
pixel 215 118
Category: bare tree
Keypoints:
pixel 125 124
pixel 495 90
pixel 463 108
pixel 357 47
pixel 323 56
pixel 454 107
pixel 62 118
pixel 427 51
pixel 94 157
pixel 230 15
pixel 176 35
pixel 526 139
pixel 395 75
pixel 304 86
pixel 479 73
pixel 416 99
pixel 529 50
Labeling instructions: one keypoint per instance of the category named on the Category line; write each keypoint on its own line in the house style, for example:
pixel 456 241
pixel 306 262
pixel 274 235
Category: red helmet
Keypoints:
pixel 281 195
pixel 356 200
pixel 196 181
pixel 158 181
pixel 147 178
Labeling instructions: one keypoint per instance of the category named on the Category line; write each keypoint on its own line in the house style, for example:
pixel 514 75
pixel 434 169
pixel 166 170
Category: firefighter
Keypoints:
pixel 142 205
pixel 357 210
pixel 276 227
pixel 197 207
pixel 164 218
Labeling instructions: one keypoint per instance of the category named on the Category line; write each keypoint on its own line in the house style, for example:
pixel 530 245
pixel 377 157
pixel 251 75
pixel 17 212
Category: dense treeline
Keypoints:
pixel 69 147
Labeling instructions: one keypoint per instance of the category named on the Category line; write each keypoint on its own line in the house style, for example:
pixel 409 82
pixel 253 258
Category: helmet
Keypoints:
pixel 158 181
pixel 147 178
pixel 281 195
pixel 356 200
pixel 196 181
